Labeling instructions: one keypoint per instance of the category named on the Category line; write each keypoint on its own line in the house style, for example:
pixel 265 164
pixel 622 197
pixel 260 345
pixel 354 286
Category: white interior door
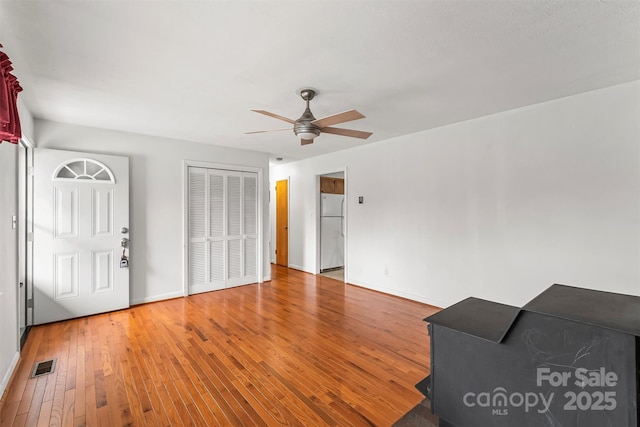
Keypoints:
pixel 223 229
pixel 81 204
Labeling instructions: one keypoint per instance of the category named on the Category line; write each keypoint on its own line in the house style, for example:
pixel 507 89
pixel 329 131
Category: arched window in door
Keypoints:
pixel 84 169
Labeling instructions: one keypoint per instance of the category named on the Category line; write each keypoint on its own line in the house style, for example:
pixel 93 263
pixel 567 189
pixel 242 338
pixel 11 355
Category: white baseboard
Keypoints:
pixel 395 292
pixel 155 298
pixel 413 297
pixel 297 267
pixel 169 295
pixel 9 373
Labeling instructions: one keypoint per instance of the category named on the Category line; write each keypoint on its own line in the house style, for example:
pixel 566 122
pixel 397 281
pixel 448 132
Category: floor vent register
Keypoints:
pixel 44 368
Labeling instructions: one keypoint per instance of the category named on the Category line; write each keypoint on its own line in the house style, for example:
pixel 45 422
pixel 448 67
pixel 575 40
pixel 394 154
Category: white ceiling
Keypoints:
pixel 193 70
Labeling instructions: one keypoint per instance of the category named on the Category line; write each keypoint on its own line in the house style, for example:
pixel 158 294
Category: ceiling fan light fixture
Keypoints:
pixel 304 129
pixel 307 135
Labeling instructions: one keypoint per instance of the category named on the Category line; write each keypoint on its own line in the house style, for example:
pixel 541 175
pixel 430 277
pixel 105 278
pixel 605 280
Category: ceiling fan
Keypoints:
pixel 307 127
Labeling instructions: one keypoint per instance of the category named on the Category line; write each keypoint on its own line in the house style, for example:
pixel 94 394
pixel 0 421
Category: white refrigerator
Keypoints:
pixel 331 231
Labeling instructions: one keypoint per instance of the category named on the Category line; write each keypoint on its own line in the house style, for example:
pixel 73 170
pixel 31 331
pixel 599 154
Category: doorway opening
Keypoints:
pixel 332 224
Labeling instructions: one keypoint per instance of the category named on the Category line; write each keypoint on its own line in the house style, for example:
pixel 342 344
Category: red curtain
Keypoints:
pixel 9 88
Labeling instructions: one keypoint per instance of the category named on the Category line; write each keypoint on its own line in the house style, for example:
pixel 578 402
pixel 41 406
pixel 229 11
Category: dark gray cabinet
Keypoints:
pixel 568 358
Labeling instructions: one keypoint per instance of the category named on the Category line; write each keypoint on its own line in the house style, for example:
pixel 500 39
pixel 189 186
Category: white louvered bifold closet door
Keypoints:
pixel 223 229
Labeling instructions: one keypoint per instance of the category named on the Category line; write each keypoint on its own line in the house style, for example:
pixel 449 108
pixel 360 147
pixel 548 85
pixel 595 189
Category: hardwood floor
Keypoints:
pixel 299 350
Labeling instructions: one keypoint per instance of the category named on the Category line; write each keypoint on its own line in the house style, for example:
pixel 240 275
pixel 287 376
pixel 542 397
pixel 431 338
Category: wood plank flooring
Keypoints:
pixel 298 350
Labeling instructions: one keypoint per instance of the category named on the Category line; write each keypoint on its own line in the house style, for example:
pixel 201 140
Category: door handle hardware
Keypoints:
pixel 124 242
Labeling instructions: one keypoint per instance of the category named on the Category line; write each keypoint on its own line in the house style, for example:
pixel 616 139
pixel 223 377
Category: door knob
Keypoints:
pixel 124 230
pixel 124 242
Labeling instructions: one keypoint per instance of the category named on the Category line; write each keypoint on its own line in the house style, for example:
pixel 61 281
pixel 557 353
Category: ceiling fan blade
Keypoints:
pixel 275 116
pixel 347 132
pixel 262 131
pixel 345 116
pixel 306 141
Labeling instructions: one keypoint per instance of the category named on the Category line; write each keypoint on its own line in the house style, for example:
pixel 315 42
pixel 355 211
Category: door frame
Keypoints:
pixel 25 235
pixel 346 220
pixel 186 164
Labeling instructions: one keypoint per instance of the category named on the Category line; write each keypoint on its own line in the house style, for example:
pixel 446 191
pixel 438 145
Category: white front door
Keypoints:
pixel 81 215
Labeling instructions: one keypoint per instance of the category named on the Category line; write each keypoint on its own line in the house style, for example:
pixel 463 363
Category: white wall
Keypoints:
pixel 9 340
pixel 9 344
pixel 499 207
pixel 26 121
pixel 156 197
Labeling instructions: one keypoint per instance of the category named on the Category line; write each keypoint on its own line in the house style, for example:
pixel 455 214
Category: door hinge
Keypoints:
pixel 30 303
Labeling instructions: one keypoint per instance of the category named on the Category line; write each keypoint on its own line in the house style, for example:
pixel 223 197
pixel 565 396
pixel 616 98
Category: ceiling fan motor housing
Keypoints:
pixel 303 124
